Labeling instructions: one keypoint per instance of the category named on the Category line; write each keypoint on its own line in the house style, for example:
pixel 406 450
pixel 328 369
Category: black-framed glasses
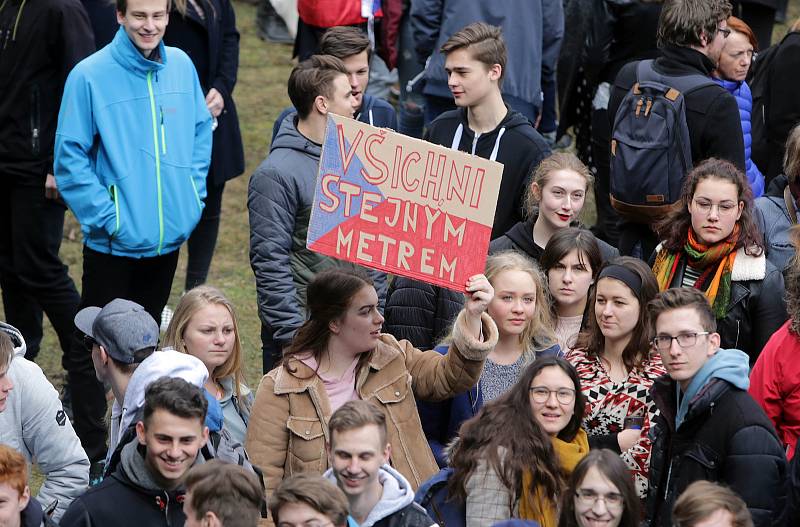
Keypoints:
pixel 589 497
pixel 725 32
pixel 541 394
pixel 685 340
pixel 89 342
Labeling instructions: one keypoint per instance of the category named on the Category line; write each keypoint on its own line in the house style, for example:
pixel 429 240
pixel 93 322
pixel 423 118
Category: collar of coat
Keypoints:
pixel 745 266
pixel 304 377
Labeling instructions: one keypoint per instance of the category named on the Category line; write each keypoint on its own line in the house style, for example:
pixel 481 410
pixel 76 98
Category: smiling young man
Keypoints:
pixel 351 46
pixel 359 458
pixel 132 152
pixel 147 487
pixel 709 428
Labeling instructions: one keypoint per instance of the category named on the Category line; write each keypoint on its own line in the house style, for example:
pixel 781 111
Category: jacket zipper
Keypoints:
pixel 158 161
pixel 35 124
pixel 114 194
pixel 166 510
pixel 163 136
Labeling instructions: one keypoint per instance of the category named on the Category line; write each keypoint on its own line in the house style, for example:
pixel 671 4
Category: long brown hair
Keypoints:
pixel 673 229
pixel 327 298
pixel 611 466
pixel 523 445
pixel 636 352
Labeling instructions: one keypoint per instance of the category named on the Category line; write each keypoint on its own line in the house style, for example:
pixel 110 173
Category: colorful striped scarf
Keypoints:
pixel 714 261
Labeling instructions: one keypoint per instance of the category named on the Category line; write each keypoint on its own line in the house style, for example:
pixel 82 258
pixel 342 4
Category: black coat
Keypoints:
pixel 712 115
pixel 419 312
pixel 620 31
pixel 756 309
pixel 412 515
pixel 213 45
pixel 726 438
pixel 40 42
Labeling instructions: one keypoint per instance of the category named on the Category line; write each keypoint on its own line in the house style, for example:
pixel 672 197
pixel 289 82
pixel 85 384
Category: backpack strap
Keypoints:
pixel 645 72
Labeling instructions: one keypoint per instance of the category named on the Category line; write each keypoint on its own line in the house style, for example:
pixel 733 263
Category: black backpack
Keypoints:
pixel 650 146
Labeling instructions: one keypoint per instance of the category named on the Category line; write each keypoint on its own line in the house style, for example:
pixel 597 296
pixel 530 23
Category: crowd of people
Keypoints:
pixel 636 372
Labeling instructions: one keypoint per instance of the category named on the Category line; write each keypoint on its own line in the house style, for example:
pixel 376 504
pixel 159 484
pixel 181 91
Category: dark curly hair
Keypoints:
pixel 522 445
pixel 673 229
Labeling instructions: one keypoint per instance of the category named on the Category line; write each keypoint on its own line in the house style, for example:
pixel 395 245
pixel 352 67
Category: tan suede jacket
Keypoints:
pixel 288 424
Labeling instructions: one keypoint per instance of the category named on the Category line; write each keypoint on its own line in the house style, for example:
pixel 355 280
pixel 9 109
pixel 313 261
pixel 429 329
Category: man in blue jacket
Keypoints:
pixel 132 151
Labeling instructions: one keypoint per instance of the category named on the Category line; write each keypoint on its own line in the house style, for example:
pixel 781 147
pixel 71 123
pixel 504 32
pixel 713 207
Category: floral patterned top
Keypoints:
pixel 608 403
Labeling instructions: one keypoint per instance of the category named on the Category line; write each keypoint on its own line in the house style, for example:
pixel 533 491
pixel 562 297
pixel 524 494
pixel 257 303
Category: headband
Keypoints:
pixel 624 275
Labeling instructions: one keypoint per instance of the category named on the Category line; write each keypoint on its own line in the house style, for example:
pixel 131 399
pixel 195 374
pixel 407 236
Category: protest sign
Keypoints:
pixel 402 205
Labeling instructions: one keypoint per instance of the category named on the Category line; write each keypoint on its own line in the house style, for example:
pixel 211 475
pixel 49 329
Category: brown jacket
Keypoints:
pixel 288 424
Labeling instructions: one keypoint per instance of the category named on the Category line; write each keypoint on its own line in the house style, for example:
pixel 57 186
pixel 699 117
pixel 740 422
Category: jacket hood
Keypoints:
pixel 289 137
pixel 16 338
pixel 727 364
pixel 397 494
pixel 522 235
pixel 128 55
pixel 32 515
pixel 164 363
pixel 132 467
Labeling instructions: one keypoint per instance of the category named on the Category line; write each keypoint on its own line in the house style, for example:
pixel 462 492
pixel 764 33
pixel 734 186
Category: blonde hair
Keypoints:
pixel 541 176
pixel 538 332
pixel 193 301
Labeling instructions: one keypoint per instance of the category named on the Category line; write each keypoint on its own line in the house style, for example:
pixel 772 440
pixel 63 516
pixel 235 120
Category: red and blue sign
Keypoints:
pixel 402 205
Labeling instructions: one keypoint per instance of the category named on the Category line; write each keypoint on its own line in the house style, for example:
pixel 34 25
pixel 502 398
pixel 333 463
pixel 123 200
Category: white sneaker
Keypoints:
pixel 166 318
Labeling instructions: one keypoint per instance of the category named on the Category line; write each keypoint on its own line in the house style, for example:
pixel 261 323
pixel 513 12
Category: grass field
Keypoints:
pixel 260 96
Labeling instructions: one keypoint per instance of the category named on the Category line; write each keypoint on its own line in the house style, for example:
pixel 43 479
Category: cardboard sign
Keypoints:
pixel 402 205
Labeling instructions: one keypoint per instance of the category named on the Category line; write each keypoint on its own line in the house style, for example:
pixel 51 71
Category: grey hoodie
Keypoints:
pixel 397 494
pixel 34 423
pixel 279 200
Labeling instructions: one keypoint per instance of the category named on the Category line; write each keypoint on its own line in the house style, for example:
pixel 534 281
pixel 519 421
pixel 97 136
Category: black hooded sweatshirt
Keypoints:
pixel 40 42
pixel 515 144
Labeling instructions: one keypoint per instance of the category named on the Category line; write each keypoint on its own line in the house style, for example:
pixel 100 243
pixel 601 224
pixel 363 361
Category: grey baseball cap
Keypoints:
pixel 122 327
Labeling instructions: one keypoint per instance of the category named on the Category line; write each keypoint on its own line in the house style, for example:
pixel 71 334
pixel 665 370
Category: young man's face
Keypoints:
pixel 682 364
pixel 357 75
pixel 172 444
pixel 470 81
pixel 341 101
pixel 5 386
pixel 12 503
pixel 300 514
pixel 356 456
pixel 144 22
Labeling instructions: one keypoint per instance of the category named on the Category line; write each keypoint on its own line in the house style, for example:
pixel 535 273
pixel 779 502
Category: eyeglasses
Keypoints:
pixel 685 340
pixel 613 500
pixel 725 208
pixel 89 342
pixel 725 32
pixel 541 394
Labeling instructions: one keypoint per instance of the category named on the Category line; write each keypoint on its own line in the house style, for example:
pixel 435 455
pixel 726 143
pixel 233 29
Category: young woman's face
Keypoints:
pixel 210 335
pixel 552 396
pixel 598 502
pixel 514 302
pixel 736 56
pixel 360 327
pixel 561 198
pixel 715 208
pixel 616 309
pixel 569 279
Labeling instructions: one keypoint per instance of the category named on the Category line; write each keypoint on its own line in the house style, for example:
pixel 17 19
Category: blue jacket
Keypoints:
pixel 532 30
pixel 441 420
pixel 744 99
pixel 374 111
pixel 132 149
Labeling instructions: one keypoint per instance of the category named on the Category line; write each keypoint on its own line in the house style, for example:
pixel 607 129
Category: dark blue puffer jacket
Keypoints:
pixel 741 91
